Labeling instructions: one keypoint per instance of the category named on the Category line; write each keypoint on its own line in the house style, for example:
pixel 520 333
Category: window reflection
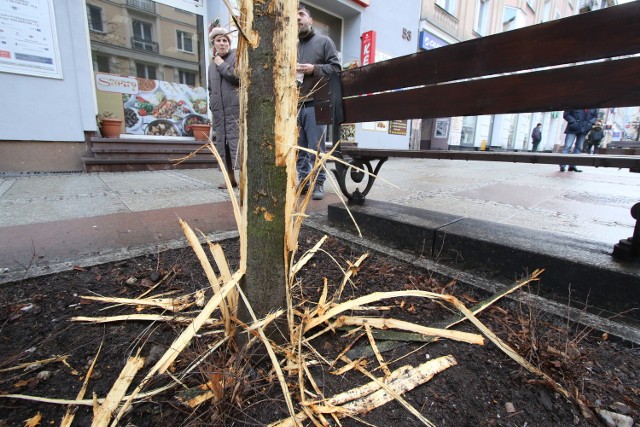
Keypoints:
pixel 149 57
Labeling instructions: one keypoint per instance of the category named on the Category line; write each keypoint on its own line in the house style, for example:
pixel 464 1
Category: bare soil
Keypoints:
pixel 486 388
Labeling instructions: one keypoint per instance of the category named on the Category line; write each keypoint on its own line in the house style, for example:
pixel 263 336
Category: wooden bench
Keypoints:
pixel 621 147
pixel 541 68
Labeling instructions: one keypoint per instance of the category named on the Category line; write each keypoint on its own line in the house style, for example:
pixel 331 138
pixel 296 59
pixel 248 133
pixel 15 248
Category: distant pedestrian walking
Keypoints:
pixel 536 136
pixel 579 123
pixel 594 137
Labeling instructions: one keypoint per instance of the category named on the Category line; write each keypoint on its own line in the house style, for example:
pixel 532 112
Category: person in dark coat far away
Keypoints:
pixel 579 123
pixel 536 136
pixel 224 101
pixel 594 137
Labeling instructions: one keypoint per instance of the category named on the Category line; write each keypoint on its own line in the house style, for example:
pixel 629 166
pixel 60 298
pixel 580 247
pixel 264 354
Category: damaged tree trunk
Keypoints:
pixel 269 98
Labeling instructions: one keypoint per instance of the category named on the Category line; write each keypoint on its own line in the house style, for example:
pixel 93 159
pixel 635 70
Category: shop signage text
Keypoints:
pixel 368 48
pixel 428 41
pixel 113 83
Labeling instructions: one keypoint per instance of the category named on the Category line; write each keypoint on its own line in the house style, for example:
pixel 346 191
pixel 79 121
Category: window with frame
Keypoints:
pixel 546 11
pixel 94 16
pixel 483 10
pixel 187 78
pixel 142 36
pixel 101 64
pixel 146 71
pixel 532 4
pixel 184 41
pixel 451 6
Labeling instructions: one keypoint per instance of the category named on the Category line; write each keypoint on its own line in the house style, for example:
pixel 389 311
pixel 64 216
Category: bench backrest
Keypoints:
pixel 545 66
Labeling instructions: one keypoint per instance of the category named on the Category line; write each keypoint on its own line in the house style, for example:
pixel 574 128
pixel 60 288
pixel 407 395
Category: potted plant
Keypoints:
pixel 201 131
pixel 110 126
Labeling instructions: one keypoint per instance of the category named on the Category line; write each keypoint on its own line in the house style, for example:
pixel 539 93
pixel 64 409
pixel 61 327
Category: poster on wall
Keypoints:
pixel 376 126
pixel 441 128
pixel 164 109
pixel 398 127
pixel 28 38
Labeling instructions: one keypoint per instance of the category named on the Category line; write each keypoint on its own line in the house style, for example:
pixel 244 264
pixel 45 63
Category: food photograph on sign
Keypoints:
pixel 164 109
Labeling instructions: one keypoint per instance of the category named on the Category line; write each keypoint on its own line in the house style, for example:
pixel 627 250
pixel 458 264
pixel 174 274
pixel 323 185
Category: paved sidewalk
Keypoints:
pixel 54 219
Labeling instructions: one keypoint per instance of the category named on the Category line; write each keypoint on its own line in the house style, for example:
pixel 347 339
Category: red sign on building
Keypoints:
pixel 368 48
pixel 364 3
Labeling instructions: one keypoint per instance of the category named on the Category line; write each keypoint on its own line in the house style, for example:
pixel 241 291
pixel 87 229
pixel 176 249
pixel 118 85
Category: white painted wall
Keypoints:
pixel 44 109
pixel 388 20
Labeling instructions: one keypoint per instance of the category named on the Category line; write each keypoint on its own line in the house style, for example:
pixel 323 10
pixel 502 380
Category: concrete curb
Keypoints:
pixel 576 270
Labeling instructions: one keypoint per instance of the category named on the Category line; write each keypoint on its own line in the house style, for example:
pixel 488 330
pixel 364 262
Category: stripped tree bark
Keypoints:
pixel 268 130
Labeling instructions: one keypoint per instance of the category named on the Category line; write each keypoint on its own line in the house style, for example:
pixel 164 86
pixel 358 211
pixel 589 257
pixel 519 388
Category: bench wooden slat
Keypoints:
pixel 601 34
pixel 557 89
pixel 632 162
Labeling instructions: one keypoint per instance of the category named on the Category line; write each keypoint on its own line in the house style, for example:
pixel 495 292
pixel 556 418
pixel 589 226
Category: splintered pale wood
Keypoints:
pixel 394 395
pixel 272 355
pixel 411 327
pixel 374 346
pixel 171 304
pixel 141 317
pixel 352 271
pixel 306 257
pixel 181 342
pixel 194 397
pixel 505 347
pixel 368 299
pixel 36 363
pixel 225 272
pixel 102 413
pixel 33 421
pixel 365 398
pixel 67 420
pixel 214 281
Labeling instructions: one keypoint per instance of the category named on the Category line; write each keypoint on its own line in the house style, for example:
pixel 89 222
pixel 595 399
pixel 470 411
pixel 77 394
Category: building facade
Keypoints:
pixel 56 87
pixel 445 22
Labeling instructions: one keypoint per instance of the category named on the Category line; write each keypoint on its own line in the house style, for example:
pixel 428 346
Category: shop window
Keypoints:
pixel 94 16
pixel 184 41
pixel 451 6
pixel 532 4
pixel 483 10
pixel 142 38
pixel 467 136
pixel 146 71
pixel 187 78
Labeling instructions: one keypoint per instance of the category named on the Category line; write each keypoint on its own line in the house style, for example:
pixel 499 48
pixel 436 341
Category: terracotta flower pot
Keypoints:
pixel 201 132
pixel 110 128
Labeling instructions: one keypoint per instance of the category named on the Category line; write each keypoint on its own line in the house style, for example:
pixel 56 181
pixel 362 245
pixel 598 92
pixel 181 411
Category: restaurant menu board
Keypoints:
pixel 398 127
pixel 164 109
pixel 28 39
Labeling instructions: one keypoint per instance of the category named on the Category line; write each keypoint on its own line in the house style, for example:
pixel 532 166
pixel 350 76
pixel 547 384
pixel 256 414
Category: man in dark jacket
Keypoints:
pixel 224 101
pixel 317 57
pixel 579 123
pixel 536 136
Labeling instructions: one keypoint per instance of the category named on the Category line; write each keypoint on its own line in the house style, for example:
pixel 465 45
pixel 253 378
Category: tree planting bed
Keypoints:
pixel 44 354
